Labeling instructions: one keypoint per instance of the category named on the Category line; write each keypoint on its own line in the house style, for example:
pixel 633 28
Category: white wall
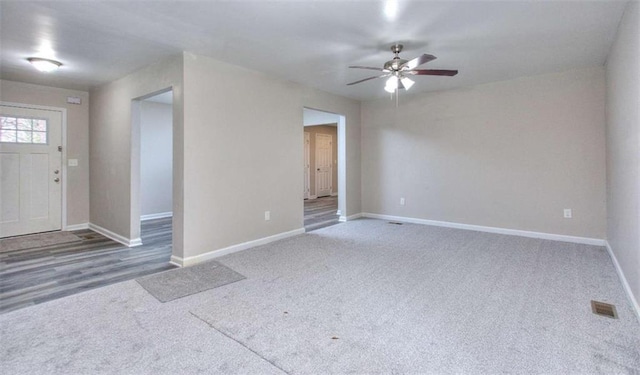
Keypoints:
pixel 77 138
pixel 623 147
pixel 156 158
pixel 510 154
pixel 243 139
pixel 114 179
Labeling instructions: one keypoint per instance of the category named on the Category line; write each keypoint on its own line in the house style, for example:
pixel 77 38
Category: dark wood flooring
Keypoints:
pixel 36 275
pixel 320 213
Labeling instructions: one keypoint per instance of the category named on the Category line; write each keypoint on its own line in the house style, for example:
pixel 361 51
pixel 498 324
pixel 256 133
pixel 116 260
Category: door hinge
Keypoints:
pixel 60 148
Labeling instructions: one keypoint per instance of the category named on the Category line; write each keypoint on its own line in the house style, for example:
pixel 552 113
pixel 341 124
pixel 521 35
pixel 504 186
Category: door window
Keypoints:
pixel 23 130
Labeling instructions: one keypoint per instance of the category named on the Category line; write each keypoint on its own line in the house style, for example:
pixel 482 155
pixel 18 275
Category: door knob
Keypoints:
pixel 56 179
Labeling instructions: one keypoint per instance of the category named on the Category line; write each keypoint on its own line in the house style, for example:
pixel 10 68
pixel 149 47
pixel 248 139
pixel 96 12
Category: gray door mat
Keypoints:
pixel 174 284
pixel 37 240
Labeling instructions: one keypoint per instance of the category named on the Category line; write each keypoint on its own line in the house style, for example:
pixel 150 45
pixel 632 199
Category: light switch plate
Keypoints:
pixel 72 162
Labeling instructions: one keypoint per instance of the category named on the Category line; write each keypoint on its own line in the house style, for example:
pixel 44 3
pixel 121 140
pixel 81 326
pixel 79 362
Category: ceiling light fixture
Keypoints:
pixel 391 9
pixel 44 65
pixel 392 85
pixel 406 82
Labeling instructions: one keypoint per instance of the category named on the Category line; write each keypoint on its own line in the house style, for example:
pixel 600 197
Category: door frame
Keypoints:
pixel 63 156
pixel 307 167
pixel 341 141
pixel 135 203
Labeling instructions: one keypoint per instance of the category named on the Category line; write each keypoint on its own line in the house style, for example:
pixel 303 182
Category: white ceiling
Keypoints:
pixel 310 42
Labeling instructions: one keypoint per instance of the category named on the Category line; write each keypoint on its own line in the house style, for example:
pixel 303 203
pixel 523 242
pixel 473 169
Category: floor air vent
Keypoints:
pixel 395 223
pixel 604 309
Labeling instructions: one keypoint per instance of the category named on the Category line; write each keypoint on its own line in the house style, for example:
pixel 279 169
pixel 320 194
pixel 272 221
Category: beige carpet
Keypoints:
pixel 37 240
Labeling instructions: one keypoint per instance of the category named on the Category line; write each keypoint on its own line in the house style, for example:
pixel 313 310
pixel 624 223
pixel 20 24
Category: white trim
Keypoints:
pixel 189 261
pixel 63 156
pixel 480 228
pixel 623 280
pixel 344 218
pixel 307 167
pixel 334 194
pixel 159 215
pixel 313 197
pixel 116 237
pixel 76 227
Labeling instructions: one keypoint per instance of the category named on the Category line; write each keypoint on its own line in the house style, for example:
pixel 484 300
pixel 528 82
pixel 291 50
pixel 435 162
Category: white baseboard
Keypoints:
pixel 623 280
pixel 189 261
pixel 354 216
pixel 344 218
pixel 160 215
pixel 116 237
pixel 480 228
pixel 76 227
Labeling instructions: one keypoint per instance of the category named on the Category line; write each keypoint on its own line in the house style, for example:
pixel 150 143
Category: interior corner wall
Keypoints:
pixel 332 130
pixel 77 138
pixel 623 147
pixel 509 154
pixel 112 140
pixel 156 156
pixel 243 151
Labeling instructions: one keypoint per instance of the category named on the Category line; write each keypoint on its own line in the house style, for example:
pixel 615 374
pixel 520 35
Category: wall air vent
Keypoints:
pixel 604 309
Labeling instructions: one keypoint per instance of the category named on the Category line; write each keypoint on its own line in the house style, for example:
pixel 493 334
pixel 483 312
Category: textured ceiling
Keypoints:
pixel 310 42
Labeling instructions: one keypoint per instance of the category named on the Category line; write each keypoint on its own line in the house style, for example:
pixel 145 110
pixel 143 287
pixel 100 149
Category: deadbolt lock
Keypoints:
pixel 56 171
pixel 56 179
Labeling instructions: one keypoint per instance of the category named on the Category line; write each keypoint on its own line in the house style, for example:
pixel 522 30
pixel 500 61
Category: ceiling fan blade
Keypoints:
pixel 367 67
pixel 417 61
pixel 433 72
pixel 366 79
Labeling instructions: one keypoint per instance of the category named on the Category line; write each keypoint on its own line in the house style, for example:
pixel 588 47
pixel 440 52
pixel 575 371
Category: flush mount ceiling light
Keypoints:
pixel 44 65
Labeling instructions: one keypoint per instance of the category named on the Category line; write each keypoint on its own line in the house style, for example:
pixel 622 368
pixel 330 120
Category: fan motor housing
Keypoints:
pixel 394 64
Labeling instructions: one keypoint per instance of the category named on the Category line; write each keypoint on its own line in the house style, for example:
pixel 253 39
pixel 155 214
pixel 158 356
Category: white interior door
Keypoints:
pixel 30 170
pixel 307 166
pixel 324 165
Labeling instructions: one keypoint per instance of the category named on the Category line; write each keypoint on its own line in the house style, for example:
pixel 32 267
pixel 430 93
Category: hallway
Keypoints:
pixel 320 213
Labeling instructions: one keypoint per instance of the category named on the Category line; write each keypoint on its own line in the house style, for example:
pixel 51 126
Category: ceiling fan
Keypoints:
pixel 398 70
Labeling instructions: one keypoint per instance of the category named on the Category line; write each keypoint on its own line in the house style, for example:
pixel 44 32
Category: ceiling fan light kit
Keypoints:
pixel 397 70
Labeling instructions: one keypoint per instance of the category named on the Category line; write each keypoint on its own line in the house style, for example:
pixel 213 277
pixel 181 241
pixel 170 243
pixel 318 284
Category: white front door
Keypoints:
pixel 30 170
pixel 324 165
pixel 307 166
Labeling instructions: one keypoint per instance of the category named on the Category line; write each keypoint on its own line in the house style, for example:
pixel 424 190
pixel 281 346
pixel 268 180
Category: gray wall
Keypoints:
pixel 509 154
pixel 623 147
pixel 77 138
pixel 156 157
pixel 243 152
pixel 115 174
pixel 236 152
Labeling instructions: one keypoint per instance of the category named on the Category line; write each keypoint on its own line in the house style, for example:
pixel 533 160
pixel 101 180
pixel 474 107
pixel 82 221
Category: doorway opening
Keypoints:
pixel 323 155
pixel 153 128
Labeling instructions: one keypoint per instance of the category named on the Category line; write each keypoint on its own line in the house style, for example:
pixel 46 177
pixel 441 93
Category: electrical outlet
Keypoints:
pixel 402 201
pixel 567 213
pixel 267 215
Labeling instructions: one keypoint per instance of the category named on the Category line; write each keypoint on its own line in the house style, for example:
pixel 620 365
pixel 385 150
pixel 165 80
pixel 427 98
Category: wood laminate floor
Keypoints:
pixel 320 213
pixel 35 275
